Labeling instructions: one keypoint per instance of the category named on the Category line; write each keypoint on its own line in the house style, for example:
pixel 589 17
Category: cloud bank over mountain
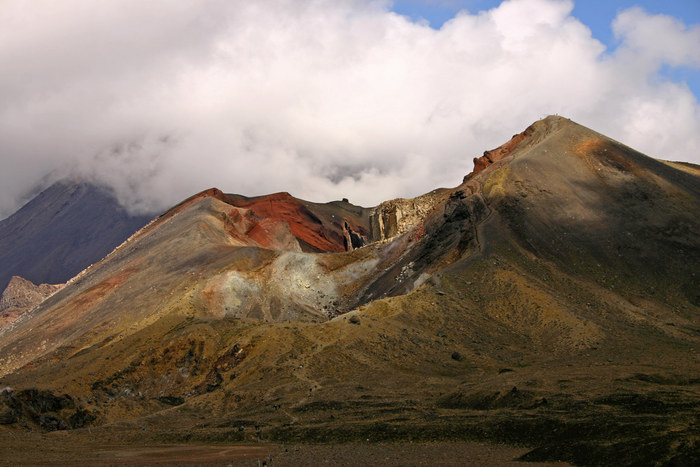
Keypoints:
pixel 324 99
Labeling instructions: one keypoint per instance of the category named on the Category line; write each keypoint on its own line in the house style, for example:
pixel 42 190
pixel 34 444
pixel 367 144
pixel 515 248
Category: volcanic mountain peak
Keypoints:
pixel 530 137
pixel 68 226
pixel 556 285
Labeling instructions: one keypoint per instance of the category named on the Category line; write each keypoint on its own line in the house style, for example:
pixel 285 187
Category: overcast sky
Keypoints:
pixel 324 99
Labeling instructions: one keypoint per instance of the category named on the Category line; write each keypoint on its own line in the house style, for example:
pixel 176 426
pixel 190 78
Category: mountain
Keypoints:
pixel 549 301
pixel 64 229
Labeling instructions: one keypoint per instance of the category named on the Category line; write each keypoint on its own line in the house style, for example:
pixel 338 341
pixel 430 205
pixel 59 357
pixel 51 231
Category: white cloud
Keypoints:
pixel 658 38
pixel 325 99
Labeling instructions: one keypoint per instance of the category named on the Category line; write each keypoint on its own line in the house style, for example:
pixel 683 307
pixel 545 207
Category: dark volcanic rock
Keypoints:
pixel 81 418
pixel 171 400
pixel 8 417
pixel 42 408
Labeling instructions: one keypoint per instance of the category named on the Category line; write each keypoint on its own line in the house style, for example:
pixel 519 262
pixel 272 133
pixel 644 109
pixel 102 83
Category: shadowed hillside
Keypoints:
pixel 64 229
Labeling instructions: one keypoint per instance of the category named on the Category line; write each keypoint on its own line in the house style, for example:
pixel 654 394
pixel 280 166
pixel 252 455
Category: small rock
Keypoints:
pixel 354 319
pixel 457 356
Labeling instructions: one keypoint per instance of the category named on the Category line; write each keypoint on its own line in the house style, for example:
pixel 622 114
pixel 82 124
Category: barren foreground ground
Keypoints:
pixel 64 452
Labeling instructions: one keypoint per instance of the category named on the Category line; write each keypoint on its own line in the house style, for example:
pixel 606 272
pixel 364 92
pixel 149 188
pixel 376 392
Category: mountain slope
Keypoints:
pixel 549 301
pixel 604 211
pixel 205 256
pixel 64 229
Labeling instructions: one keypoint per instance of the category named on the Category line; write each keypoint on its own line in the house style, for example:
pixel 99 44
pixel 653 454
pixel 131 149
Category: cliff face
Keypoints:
pixel 398 216
pixel 503 151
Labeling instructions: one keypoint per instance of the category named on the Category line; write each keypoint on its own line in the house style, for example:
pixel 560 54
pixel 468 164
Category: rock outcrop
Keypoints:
pixel 42 409
pixel 500 153
pixel 318 228
pixel 351 238
pixel 21 296
pixel 398 216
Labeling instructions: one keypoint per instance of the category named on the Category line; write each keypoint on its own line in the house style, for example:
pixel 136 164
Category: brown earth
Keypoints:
pixel 61 448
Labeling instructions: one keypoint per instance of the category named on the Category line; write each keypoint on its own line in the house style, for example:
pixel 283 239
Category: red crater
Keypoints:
pixel 267 221
pixel 318 228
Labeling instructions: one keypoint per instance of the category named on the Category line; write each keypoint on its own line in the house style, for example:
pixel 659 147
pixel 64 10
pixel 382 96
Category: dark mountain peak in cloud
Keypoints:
pixel 65 228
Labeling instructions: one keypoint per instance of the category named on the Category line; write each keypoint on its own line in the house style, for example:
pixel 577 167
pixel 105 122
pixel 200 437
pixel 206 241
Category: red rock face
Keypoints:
pixel 266 220
pixel 315 230
pixel 501 152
